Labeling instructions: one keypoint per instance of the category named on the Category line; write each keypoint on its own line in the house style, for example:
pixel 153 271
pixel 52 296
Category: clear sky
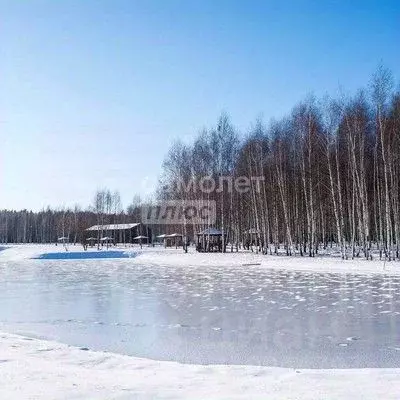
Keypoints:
pixel 93 92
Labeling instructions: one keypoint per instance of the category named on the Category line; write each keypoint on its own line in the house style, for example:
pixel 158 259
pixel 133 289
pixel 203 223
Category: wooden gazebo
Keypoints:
pixel 92 240
pixel 161 239
pixel 252 236
pixel 108 240
pixel 141 239
pixel 209 240
pixel 63 240
pixel 174 239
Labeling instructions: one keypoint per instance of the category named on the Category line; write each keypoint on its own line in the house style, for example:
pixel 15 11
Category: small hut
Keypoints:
pixel 252 236
pixel 175 239
pixel 209 240
pixel 161 239
pixel 63 239
pixel 108 240
pixel 141 239
pixel 92 240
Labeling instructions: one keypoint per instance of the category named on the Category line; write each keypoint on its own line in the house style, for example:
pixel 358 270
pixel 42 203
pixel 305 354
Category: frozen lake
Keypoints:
pixel 246 315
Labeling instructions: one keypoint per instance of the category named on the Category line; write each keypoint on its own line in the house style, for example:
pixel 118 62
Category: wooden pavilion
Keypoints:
pixel 141 239
pixel 121 233
pixel 210 240
pixel 174 240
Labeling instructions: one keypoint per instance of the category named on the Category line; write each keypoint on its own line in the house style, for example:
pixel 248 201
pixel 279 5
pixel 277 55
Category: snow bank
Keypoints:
pixel 323 263
pixel 176 257
pixel 44 370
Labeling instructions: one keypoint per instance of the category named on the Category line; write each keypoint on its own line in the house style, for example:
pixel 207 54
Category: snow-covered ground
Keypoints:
pixel 37 369
pixel 323 263
pixel 171 256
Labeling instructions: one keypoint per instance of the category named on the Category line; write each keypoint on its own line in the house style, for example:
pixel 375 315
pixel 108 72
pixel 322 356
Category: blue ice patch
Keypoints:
pixel 85 255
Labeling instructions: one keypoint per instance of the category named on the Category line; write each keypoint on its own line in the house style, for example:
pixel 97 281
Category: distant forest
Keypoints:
pixel 330 177
pixel 47 225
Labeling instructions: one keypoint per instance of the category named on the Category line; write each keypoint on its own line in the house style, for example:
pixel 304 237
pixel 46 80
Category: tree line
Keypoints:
pixel 330 174
pixel 46 226
pixel 324 176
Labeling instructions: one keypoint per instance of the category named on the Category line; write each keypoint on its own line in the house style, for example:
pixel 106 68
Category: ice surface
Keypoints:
pixel 83 255
pixel 207 314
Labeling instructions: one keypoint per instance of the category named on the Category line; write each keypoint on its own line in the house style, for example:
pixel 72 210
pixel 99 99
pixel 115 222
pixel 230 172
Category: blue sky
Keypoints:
pixel 94 92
